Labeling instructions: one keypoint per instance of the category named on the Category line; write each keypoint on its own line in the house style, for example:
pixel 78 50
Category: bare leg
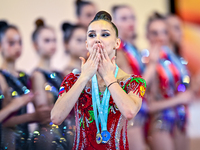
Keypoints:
pixel 136 138
pixel 161 140
pixel 181 140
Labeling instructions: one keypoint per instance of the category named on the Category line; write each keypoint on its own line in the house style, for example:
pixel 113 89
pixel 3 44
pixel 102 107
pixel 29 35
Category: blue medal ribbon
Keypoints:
pixel 102 109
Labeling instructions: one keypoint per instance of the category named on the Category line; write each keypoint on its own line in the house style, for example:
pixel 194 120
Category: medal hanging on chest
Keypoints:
pixel 101 110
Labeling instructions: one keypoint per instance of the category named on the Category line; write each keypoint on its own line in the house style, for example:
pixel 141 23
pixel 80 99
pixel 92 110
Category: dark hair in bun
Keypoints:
pixel 4 26
pixel 68 30
pixel 80 4
pixel 103 15
pixel 154 17
pixel 40 25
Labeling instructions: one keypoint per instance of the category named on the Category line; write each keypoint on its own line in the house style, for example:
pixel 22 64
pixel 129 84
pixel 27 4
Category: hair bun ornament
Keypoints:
pixel 3 24
pixel 103 15
pixel 66 26
pixel 39 23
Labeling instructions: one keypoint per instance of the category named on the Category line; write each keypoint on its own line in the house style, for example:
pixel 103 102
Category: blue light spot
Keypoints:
pixel 183 61
pixel 167 62
pixel 1 96
pixel 26 91
pixel 145 53
pixel 24 88
pixel 52 75
pixel 181 88
pixel 53 88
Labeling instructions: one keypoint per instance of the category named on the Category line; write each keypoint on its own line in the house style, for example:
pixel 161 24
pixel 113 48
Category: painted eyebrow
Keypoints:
pixel 91 31
pixel 106 30
pixel 101 30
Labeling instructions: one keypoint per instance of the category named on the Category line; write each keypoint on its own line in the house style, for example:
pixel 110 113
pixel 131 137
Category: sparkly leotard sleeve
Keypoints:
pixel 85 137
pixel 134 59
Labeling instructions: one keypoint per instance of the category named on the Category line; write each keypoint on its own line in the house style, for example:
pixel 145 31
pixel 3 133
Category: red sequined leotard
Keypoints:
pixel 85 137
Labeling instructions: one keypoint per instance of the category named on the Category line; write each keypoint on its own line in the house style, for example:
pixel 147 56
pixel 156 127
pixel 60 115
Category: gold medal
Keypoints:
pixel 98 138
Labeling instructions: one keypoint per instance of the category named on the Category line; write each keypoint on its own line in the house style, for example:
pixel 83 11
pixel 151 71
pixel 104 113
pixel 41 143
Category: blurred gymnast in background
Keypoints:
pixel 74 37
pixel 85 12
pixel 130 60
pixel 14 105
pixel 14 84
pixel 170 91
pixel 175 33
pixel 46 83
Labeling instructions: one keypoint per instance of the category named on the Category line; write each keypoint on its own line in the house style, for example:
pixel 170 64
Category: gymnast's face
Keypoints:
pixel 102 32
pixel 125 20
pixel 76 44
pixel 46 42
pixel 87 14
pixel 11 44
pixel 158 33
pixel 175 30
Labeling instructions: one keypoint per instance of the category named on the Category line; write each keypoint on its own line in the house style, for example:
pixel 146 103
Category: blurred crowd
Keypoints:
pixel 162 120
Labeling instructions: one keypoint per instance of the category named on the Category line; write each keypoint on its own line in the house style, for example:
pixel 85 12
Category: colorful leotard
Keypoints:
pixel 51 136
pixel 85 137
pixel 134 58
pixel 173 78
pixel 16 137
pixel 54 80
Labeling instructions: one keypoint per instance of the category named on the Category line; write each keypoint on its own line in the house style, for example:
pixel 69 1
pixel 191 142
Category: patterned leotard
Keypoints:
pixel 50 136
pixel 85 137
pixel 16 137
pixel 173 78
pixel 134 59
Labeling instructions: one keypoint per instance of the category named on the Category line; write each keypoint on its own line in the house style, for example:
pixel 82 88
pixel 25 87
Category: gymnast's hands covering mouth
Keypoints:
pixel 106 66
pixel 89 67
pixel 98 61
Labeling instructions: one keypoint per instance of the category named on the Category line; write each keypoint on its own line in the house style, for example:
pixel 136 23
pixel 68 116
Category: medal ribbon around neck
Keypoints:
pixel 172 59
pixel 168 73
pixel 135 56
pixel 175 60
pixel 102 108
